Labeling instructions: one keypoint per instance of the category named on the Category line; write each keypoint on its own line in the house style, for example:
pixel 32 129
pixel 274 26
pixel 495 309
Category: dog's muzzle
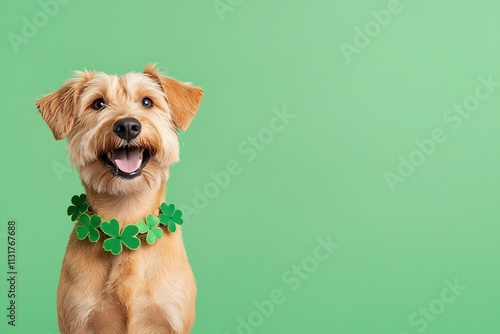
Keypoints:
pixel 126 161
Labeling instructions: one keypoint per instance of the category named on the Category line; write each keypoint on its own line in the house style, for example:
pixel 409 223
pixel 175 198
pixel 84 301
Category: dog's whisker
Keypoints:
pixel 149 177
pixel 147 180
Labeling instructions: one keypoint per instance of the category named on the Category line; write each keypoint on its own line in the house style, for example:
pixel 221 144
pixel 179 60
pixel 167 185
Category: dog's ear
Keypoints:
pixel 59 108
pixel 183 98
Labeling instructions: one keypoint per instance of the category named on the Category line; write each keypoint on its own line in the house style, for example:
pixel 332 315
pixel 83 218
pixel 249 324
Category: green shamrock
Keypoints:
pixel 151 227
pixel 79 206
pixel 170 216
pixel 128 237
pixel 88 227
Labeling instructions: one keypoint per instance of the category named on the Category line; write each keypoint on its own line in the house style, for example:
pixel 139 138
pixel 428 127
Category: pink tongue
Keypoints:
pixel 128 161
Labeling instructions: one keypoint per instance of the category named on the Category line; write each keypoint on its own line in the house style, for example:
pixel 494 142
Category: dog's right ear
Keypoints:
pixel 59 108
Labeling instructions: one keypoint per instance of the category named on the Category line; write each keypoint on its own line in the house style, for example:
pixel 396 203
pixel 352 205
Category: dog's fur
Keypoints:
pixel 151 289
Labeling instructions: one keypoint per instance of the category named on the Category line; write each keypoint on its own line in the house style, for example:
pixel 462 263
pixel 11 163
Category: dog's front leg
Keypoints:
pixel 82 300
pixel 75 304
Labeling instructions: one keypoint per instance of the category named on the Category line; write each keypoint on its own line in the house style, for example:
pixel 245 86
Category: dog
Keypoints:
pixel 122 138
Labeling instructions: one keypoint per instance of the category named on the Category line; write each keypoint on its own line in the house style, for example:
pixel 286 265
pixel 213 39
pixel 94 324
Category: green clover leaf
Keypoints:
pixel 79 206
pixel 151 227
pixel 88 227
pixel 128 237
pixel 170 216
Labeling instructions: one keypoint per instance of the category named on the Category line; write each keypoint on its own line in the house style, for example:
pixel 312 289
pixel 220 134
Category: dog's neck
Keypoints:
pixel 128 209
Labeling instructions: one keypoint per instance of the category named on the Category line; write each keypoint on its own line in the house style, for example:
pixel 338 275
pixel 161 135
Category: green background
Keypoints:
pixel 323 175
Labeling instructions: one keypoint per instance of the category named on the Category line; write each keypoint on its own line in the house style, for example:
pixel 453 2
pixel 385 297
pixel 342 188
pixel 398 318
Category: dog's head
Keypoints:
pixel 122 131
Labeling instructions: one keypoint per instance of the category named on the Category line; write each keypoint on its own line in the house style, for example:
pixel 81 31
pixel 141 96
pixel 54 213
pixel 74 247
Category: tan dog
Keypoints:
pixel 150 289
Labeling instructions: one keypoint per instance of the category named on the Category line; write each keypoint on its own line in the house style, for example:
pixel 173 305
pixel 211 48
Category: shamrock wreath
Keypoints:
pixel 91 226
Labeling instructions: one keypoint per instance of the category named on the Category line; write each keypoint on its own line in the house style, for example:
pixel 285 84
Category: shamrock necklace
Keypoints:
pixel 92 226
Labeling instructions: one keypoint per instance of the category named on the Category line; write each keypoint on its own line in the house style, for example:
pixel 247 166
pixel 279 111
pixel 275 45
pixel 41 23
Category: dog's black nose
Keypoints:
pixel 127 128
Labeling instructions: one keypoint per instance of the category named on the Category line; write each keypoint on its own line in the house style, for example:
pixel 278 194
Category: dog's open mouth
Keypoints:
pixel 127 161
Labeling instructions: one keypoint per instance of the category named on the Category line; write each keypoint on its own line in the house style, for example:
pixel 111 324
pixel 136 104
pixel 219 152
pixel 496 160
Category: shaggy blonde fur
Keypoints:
pixel 152 289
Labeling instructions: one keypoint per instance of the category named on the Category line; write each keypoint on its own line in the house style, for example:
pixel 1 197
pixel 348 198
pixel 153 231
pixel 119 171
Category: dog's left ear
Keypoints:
pixel 59 108
pixel 183 98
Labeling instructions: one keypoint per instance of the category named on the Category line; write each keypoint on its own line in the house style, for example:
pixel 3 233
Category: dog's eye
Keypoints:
pixel 99 104
pixel 147 103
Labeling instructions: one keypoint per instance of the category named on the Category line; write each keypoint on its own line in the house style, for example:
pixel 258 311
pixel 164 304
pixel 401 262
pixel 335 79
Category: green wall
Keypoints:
pixel 363 143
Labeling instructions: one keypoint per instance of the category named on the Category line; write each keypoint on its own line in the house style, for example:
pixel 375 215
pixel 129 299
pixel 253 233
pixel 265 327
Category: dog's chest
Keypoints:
pixel 137 286
pixel 151 288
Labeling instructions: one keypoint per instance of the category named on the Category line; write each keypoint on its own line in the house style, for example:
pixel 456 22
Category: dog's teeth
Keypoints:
pixel 109 155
